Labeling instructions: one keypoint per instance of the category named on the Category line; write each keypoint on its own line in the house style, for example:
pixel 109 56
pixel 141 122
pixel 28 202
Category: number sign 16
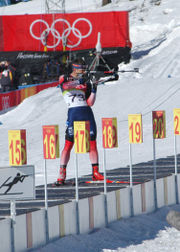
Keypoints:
pixel 135 128
pixel 82 136
pixel 17 147
pixel 51 141
pixel 176 121
pixel 109 130
pixel 159 124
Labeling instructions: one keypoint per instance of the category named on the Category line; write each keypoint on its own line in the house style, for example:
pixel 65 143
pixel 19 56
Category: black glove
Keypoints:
pixel 94 84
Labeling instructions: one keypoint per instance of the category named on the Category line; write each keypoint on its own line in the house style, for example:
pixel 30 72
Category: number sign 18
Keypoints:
pixel 159 124
pixel 17 147
pixel 109 130
pixel 51 141
pixel 82 136
pixel 176 121
pixel 135 128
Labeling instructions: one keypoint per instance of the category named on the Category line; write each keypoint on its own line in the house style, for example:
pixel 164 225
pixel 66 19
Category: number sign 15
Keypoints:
pixel 17 147
pixel 82 136
pixel 135 128
pixel 176 121
pixel 109 130
pixel 51 141
pixel 159 124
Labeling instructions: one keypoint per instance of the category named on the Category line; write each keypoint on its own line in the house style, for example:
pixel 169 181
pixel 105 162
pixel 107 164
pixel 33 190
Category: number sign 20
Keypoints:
pixel 135 128
pixel 82 136
pixel 17 147
pixel 109 130
pixel 159 124
pixel 176 121
pixel 51 141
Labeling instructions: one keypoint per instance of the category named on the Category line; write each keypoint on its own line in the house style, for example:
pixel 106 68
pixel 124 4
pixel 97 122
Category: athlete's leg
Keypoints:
pixel 93 155
pixel 65 156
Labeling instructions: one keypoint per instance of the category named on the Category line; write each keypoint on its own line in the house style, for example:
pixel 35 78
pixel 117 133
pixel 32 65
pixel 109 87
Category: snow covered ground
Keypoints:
pixel 155 34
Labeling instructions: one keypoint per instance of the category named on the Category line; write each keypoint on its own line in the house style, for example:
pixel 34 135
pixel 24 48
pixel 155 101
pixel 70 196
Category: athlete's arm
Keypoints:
pixel 91 100
pixel 91 95
pixel 68 83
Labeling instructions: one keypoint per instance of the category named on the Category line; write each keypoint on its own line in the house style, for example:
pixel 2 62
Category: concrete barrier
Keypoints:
pixel 20 233
pixel 160 192
pixel 54 222
pixel 98 211
pixel 125 208
pixel 37 223
pixel 84 216
pixel 178 186
pixel 5 235
pixel 30 231
pixel 137 202
pixel 147 192
pixel 170 195
pixel 111 206
pixel 67 214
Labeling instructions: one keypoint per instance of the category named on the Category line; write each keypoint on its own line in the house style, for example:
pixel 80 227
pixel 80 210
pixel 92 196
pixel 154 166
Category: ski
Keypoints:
pixel 66 183
pixel 86 182
pixel 109 182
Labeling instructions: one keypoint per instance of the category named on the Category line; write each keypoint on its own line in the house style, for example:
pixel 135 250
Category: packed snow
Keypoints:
pixel 154 33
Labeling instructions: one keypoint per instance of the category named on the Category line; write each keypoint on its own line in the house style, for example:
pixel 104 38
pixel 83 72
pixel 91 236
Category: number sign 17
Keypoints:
pixel 82 136
pixel 176 121
pixel 109 130
pixel 135 128
pixel 159 124
pixel 17 147
pixel 51 141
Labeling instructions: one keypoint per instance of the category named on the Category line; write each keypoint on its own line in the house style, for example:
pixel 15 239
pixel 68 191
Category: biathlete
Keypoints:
pixel 79 95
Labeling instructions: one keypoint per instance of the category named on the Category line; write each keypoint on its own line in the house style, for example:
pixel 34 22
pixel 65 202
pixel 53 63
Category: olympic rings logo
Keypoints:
pixel 58 37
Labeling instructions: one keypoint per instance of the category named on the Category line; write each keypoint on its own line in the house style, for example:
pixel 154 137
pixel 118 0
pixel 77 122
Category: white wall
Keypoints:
pixel 30 229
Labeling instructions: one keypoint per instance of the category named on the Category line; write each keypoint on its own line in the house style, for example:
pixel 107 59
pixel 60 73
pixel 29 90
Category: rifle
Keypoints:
pixel 109 72
pixel 113 74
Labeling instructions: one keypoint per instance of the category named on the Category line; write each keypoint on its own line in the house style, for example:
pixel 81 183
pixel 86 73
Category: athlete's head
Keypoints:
pixel 78 67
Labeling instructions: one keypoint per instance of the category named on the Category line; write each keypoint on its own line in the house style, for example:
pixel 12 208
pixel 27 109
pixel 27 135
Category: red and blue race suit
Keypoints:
pixel 79 97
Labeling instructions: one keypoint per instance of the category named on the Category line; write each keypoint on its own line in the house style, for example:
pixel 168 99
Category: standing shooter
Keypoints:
pixel 79 95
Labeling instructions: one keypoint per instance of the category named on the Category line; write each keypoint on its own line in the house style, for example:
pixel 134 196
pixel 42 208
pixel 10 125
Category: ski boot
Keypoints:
pixel 62 176
pixel 96 175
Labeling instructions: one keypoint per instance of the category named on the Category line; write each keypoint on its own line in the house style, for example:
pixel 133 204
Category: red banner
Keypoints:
pixel 14 98
pixel 58 32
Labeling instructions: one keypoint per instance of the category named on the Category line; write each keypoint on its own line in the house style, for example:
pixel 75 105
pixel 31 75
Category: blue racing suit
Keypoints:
pixel 79 96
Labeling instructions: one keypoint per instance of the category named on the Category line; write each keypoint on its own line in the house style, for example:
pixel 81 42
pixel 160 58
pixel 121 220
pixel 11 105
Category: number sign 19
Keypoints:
pixel 176 113
pixel 51 141
pixel 82 136
pixel 135 128
pixel 17 147
pixel 109 130
pixel 159 124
